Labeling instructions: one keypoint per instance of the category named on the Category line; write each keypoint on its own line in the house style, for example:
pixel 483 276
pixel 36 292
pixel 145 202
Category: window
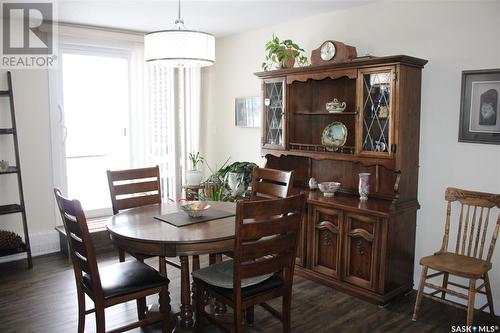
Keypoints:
pixel 110 110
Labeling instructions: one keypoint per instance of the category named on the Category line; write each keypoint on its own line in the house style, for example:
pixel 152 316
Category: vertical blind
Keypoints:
pixel 172 122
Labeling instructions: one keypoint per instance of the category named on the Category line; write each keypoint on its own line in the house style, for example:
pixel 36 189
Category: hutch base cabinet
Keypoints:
pixel 363 247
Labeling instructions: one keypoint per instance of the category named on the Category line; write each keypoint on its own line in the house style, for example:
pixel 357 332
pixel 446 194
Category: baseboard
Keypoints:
pixel 41 243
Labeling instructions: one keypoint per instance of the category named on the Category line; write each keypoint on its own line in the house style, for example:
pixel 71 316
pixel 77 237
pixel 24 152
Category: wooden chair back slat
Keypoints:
pixel 270 183
pixel 134 174
pixel 263 228
pixel 141 187
pixel 478 232
pixel 273 235
pixel 459 233
pixel 133 202
pixel 447 227
pixel 483 239
pixel 266 247
pixel 466 227
pixel 80 244
pixel 256 268
pixel 471 233
pixel 132 188
pixel 260 209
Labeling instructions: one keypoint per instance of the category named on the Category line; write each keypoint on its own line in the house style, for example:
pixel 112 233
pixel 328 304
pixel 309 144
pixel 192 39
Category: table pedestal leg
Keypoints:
pixel 186 308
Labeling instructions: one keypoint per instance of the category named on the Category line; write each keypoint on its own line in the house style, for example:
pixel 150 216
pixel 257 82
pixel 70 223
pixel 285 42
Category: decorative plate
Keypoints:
pixel 334 135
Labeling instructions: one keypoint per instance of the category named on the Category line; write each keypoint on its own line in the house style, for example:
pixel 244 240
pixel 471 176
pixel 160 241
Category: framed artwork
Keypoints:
pixel 247 111
pixel 480 107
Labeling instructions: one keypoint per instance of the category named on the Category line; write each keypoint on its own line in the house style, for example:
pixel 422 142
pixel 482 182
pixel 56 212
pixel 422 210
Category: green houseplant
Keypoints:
pixel 194 176
pixel 283 53
pixel 217 184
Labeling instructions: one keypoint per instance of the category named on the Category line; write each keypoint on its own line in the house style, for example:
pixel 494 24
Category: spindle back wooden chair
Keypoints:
pixel 271 183
pixel 468 258
pixel 114 284
pixel 265 244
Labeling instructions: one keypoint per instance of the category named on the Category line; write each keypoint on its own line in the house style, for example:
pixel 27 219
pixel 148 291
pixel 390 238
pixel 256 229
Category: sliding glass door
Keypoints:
pixel 95 116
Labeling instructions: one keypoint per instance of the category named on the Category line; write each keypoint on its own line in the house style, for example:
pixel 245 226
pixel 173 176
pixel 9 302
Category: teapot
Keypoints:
pixel 335 106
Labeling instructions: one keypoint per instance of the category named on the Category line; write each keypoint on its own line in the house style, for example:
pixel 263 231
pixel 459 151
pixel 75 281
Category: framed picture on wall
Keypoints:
pixel 247 111
pixel 480 107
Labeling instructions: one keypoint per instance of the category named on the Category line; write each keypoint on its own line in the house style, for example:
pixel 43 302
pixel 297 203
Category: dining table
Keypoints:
pixel 138 232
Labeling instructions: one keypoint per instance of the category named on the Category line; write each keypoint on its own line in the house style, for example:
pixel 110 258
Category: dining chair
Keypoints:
pixel 467 259
pixel 266 235
pixel 131 188
pixel 134 188
pixel 271 183
pixel 113 284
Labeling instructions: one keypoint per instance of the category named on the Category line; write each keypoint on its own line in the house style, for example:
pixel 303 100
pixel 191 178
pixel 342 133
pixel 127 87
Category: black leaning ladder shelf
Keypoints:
pixel 15 208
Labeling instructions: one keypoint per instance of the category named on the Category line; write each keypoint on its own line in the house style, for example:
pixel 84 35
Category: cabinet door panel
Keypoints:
pixel 361 250
pixel 327 225
pixel 274 113
pixel 376 112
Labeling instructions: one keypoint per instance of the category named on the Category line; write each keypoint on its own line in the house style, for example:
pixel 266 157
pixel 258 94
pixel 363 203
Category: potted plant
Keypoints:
pixel 194 176
pixel 229 182
pixel 283 53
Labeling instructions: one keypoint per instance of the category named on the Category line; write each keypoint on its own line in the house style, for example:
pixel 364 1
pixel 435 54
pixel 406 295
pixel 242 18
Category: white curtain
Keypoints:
pixel 171 123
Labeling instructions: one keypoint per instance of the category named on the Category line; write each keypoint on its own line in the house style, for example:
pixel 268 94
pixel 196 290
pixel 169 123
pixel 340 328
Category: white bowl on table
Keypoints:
pixel 328 188
pixel 194 208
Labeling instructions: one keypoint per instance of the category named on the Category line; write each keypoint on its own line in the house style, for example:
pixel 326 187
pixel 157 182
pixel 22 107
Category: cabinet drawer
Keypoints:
pixel 361 239
pixel 326 241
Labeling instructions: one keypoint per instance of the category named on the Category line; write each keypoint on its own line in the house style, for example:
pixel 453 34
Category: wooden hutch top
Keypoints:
pixel 387 146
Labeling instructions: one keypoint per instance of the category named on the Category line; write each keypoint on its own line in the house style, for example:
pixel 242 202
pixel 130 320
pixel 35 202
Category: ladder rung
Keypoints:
pixel 4 93
pixel 10 209
pixel 7 131
pixel 11 169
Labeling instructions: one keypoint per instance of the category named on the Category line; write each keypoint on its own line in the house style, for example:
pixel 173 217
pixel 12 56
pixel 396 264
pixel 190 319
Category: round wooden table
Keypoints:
pixel 137 231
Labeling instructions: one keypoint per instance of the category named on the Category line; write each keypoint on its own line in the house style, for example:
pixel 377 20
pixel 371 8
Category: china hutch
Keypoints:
pixel 365 248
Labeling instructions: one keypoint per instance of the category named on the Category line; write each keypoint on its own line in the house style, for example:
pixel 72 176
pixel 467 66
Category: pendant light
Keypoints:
pixel 180 47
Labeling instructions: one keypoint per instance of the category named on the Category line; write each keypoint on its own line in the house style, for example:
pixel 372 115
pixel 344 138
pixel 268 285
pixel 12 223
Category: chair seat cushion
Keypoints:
pixel 221 275
pixel 126 278
pixel 457 264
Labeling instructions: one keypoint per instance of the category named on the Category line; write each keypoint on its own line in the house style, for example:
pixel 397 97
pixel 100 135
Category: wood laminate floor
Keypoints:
pixel 44 300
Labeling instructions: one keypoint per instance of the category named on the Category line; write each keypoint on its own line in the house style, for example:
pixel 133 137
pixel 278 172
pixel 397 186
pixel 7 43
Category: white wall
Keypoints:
pixel 31 99
pixel 453 36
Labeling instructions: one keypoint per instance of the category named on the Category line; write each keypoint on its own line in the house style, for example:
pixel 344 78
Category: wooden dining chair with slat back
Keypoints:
pixel 113 284
pixel 264 259
pixel 468 259
pixel 271 183
pixel 135 188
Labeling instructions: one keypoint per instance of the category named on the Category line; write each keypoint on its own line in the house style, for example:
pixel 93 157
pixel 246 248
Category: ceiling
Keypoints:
pixel 220 18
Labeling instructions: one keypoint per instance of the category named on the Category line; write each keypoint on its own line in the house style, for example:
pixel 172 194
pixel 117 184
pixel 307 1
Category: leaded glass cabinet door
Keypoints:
pixel 273 131
pixel 376 111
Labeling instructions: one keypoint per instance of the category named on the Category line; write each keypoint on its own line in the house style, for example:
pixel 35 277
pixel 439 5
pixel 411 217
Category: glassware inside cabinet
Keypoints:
pixel 274 107
pixel 377 111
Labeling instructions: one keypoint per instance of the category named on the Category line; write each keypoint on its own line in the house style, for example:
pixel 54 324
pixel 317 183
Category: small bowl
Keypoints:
pixel 195 208
pixel 329 188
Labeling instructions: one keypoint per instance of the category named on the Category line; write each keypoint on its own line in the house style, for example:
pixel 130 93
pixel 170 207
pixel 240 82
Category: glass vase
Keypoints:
pixel 364 186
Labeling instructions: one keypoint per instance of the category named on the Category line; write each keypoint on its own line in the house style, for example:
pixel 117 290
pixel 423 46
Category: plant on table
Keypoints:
pixel 194 176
